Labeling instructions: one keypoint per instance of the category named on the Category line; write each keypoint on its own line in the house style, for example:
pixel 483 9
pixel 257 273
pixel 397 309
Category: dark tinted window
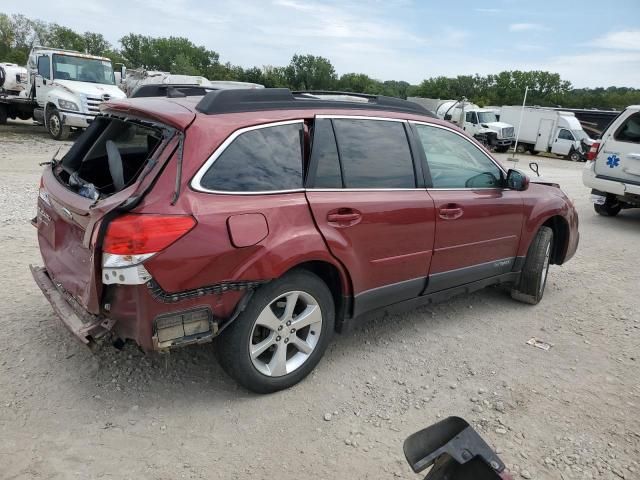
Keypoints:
pixel 374 154
pixel 324 156
pixel 630 130
pixel 454 162
pixel 264 159
pixel 43 66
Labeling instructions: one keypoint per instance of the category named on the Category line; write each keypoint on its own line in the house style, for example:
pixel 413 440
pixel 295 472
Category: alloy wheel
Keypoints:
pixel 285 334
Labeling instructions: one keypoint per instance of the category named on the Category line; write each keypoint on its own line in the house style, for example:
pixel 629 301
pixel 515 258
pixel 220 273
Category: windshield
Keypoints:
pixel 93 70
pixel 487 117
pixel 579 134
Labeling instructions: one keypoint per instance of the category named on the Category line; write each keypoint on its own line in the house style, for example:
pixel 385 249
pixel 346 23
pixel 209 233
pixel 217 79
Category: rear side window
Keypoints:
pixel 629 131
pixel 374 154
pixel 260 160
pixel 324 162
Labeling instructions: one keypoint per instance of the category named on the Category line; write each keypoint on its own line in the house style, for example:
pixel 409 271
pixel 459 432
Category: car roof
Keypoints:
pixel 180 112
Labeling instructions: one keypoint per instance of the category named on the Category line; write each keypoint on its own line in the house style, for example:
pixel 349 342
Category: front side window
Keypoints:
pixel 455 162
pixel 259 160
pixel 565 135
pixel 374 154
pixel 630 130
pixel 92 70
pixel 43 66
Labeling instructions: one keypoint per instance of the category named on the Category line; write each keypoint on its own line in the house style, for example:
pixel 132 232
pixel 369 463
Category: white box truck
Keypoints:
pixel 481 123
pixel 63 90
pixel 547 130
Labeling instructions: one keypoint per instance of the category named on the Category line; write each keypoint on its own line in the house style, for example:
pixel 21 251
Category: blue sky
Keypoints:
pixel 591 43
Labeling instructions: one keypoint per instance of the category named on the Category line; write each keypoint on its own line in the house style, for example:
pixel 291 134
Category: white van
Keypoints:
pixel 613 165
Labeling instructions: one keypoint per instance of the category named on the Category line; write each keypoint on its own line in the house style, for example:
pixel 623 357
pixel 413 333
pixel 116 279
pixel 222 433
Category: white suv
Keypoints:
pixel 613 165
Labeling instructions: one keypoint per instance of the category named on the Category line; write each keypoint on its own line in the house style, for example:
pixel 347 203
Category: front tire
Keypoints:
pixel 574 156
pixel 281 335
pixel 521 148
pixel 502 149
pixel 57 130
pixel 533 278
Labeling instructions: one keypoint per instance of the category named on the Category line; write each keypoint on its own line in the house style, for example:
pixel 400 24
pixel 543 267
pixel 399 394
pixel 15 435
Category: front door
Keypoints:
pixel 619 157
pixel 369 207
pixel 43 79
pixel 563 142
pixel 478 221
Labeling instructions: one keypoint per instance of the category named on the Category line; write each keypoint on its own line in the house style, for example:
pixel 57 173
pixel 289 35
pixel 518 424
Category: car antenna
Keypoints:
pixel 514 159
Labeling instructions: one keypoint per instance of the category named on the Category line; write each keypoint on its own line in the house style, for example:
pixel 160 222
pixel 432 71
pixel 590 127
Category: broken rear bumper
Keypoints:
pixel 85 326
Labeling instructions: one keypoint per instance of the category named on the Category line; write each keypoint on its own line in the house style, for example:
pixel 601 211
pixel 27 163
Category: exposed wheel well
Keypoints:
pixel 331 277
pixel 560 229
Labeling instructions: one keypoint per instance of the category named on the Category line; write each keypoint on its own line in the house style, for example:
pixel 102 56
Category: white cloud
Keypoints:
pixel 623 40
pixel 488 10
pixel 526 27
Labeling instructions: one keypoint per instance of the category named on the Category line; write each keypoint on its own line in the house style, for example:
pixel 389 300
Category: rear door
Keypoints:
pixel 67 217
pixel 376 218
pixel 478 221
pixel 545 129
pixel 619 156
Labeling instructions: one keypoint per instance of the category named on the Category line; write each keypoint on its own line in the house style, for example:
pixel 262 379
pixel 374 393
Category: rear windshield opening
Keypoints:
pixel 109 156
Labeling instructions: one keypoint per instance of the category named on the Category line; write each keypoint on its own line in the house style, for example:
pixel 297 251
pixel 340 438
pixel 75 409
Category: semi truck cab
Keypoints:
pixel 64 91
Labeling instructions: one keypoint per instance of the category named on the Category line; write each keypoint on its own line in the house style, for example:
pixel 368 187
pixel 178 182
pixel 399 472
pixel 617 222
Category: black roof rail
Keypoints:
pixel 171 90
pixel 250 100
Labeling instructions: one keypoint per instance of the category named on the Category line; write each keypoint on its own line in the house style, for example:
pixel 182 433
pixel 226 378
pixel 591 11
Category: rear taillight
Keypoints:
pixel 134 234
pixel 593 151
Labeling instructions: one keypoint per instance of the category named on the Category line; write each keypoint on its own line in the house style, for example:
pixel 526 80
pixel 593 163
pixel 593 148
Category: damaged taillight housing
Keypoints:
pixel 133 238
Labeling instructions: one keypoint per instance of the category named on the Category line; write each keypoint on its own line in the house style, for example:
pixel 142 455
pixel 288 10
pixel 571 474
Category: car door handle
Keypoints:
pixel 344 217
pixel 450 212
pixel 635 156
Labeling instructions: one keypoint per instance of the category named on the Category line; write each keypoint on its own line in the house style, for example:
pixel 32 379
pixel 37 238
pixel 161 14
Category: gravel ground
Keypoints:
pixel 570 412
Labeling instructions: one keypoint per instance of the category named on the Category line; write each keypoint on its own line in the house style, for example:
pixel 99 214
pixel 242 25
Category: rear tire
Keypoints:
pixel 611 208
pixel 262 349
pixel 521 148
pixel 533 278
pixel 3 114
pixel 57 130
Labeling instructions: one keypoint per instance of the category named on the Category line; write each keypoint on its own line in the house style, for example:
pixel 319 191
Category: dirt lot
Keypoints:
pixel 570 412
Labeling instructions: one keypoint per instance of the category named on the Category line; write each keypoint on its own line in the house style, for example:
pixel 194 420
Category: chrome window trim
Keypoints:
pixel 422 189
pixel 361 117
pixel 443 127
pixel 197 178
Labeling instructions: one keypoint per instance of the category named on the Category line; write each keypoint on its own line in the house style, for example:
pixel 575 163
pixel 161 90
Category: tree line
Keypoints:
pixel 179 55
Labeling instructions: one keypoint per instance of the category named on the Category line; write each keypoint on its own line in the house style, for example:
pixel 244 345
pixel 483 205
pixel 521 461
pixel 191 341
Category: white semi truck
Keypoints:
pixel 547 130
pixel 63 90
pixel 478 122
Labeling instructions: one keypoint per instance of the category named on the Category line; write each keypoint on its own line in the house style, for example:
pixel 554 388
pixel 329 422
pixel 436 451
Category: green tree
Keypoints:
pixel 63 37
pixel 96 44
pixel 308 72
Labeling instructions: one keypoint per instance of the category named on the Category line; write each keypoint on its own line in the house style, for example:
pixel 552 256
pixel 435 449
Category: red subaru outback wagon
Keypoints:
pixel 266 220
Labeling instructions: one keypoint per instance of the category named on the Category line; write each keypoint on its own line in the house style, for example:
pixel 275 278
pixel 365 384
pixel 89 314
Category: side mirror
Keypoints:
pixel 454 450
pixel 517 180
pixel 123 72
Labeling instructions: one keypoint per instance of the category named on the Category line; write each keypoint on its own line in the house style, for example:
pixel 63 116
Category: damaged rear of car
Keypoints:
pixel 82 214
